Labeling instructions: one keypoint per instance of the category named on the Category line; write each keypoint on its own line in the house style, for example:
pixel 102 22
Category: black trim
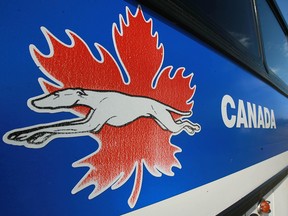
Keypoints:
pixel 279 16
pixel 247 202
pixel 272 76
pixel 189 20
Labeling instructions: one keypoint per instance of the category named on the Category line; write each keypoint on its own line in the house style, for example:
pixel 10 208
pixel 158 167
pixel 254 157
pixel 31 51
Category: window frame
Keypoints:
pixel 192 23
pixel 283 25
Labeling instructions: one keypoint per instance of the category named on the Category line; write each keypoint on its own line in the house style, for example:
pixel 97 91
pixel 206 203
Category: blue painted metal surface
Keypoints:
pixel 39 181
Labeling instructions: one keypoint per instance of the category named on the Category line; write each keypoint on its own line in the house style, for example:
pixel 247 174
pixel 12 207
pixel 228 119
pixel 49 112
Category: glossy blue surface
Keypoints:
pixel 39 181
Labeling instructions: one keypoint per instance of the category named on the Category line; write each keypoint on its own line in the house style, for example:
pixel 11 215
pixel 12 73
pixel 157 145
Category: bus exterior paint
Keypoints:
pixel 240 143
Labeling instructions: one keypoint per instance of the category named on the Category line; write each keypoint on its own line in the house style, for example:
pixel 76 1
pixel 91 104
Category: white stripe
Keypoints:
pixel 216 196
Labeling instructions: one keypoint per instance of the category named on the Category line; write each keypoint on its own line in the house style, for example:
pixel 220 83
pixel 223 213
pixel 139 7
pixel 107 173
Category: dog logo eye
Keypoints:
pixel 81 93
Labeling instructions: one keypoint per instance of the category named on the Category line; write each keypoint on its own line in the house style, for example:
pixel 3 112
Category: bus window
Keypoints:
pixel 233 28
pixel 274 41
pixel 233 17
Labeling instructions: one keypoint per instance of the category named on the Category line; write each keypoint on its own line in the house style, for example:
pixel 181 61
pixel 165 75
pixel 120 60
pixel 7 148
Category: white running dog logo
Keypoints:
pixel 107 107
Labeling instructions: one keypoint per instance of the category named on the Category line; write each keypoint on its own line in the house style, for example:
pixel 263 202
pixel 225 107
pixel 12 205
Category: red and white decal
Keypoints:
pixel 132 120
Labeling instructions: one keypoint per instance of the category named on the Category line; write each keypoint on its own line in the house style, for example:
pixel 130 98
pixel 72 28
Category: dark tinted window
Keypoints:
pixel 275 42
pixel 234 17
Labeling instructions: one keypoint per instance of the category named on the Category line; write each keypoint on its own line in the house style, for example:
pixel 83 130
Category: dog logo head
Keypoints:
pixel 66 98
pixel 132 110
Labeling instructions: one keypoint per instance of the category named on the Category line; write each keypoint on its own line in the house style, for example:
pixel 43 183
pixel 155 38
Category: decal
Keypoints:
pixel 129 104
pixel 246 116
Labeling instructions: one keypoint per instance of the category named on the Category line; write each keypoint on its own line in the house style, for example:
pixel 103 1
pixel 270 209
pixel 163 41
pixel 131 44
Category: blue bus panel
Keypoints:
pixel 108 108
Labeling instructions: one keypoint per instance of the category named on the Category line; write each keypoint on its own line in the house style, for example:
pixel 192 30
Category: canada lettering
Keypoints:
pixel 246 114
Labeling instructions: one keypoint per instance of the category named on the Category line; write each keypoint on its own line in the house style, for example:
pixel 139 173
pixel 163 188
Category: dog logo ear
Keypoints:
pixel 81 93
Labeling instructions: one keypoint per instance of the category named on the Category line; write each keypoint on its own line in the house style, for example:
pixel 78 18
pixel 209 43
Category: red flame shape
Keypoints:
pixel 123 150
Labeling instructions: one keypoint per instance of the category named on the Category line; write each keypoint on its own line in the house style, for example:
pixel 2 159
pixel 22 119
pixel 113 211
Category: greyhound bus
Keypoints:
pixel 144 107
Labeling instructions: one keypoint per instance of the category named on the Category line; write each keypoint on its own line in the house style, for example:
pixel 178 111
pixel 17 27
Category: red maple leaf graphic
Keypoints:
pixel 122 150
